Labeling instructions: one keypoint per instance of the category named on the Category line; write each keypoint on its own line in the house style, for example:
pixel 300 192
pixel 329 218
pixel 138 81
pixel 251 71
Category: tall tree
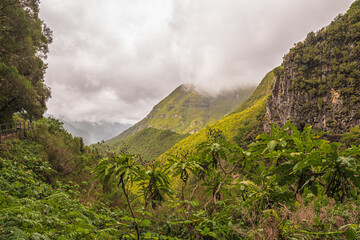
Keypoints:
pixel 24 40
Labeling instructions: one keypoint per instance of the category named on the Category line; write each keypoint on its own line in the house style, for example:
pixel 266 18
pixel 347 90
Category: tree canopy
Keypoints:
pixel 24 40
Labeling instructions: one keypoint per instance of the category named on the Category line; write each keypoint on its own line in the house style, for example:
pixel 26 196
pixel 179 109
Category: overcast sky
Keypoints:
pixel 115 59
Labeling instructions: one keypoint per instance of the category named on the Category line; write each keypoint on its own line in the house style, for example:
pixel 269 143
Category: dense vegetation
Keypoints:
pixel 288 184
pixel 329 58
pixel 24 42
pixel 38 200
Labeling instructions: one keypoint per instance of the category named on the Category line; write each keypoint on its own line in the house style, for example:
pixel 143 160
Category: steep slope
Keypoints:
pixel 320 78
pixel 186 110
pixel 149 143
pixel 263 90
pixel 245 122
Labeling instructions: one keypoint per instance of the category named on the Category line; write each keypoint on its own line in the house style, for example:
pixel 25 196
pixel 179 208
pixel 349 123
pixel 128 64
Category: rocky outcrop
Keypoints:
pixel 319 80
pixel 330 112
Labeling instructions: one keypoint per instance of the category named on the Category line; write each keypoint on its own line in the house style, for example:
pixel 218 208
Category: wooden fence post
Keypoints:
pixel 17 135
pixel 15 130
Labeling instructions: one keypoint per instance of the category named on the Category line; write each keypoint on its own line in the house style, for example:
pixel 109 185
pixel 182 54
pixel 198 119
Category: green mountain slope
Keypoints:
pixel 149 143
pixel 186 110
pixel 244 122
pixel 263 90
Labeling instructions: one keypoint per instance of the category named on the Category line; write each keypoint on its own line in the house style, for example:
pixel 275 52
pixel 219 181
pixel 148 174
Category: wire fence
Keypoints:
pixel 16 130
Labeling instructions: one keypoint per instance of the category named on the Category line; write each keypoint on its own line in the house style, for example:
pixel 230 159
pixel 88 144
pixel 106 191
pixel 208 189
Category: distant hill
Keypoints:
pixel 93 132
pixel 149 143
pixel 186 110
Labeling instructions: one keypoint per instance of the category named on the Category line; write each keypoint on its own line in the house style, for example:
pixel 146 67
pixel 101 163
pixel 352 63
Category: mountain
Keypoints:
pixel 149 143
pixel 93 132
pixel 241 126
pixel 318 83
pixel 186 110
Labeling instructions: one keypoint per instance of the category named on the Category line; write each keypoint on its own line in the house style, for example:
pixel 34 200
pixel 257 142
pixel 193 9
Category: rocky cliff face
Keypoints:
pixel 319 81
pixel 329 112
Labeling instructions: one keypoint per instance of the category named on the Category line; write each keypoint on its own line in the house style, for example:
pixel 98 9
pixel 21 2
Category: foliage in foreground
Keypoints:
pixel 32 209
pixel 286 185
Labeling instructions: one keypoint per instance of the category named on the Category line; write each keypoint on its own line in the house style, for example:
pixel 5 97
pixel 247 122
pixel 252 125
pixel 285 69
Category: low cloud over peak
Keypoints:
pixel 115 60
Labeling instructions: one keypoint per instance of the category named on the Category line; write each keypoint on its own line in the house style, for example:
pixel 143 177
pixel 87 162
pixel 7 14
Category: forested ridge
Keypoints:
pixel 230 180
pixel 318 82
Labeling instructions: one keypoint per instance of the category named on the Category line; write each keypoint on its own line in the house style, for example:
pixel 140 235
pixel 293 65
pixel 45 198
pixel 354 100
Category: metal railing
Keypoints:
pixel 16 130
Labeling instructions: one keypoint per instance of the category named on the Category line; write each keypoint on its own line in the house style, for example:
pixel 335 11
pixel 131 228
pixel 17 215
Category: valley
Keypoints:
pixel 277 161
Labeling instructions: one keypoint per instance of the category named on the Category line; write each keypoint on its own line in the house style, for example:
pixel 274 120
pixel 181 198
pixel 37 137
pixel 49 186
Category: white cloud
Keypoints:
pixel 115 59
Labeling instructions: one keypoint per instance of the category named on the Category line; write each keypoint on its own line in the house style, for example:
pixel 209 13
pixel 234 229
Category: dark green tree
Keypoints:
pixel 24 40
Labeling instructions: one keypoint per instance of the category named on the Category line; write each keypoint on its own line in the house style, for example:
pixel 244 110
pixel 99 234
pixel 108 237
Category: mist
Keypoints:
pixel 114 60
